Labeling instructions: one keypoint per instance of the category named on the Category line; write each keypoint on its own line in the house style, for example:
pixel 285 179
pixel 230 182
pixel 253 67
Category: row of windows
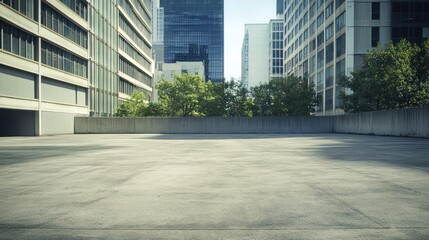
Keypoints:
pixel 78 6
pixel 128 88
pixel 341 49
pixel 18 42
pixel 136 20
pixel 125 26
pixel 128 49
pixel 339 24
pixel 277 27
pixel 63 60
pixel 143 13
pixel 132 71
pixel 277 70
pixel 277 35
pixel 56 22
pixel 26 7
pixel 277 54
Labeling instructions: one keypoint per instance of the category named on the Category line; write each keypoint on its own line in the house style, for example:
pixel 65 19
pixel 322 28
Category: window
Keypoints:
pixel 320 39
pixel 78 6
pixel 320 19
pixel 313 10
pixel 340 70
pixel 319 83
pixel 15 41
pixel 375 36
pixel 63 60
pixel 338 3
pixel 341 45
pixel 329 79
pixel 329 53
pixel 313 27
pixel 329 99
pixel 7 34
pixel 329 10
pixel 25 7
pixel 313 64
pixel 329 31
pixel 376 11
pixel 320 59
pixel 313 45
pixel 340 22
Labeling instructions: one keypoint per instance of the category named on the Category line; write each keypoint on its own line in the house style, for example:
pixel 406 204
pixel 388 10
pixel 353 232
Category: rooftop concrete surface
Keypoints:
pixel 318 186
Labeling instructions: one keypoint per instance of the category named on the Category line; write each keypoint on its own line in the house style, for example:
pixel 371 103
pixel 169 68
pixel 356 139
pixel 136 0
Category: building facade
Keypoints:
pixel 169 70
pixel 262 53
pixel 276 48
pixel 194 32
pixel 325 40
pixel 60 59
pixel 255 55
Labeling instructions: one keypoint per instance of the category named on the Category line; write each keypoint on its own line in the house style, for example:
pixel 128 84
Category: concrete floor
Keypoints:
pixel 329 186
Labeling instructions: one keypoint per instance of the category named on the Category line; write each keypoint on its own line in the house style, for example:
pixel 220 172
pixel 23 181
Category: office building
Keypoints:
pixel 255 55
pixel 280 8
pixel 194 32
pixel 169 70
pixel 60 59
pixel 262 53
pixel 325 40
pixel 275 48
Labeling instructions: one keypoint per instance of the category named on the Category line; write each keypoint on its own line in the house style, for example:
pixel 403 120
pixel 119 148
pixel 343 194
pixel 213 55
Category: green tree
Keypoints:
pixel 291 96
pixel 152 110
pixel 227 99
pixel 390 77
pixel 132 107
pixel 183 96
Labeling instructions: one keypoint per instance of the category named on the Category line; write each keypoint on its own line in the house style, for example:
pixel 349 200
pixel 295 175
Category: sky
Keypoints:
pixel 237 14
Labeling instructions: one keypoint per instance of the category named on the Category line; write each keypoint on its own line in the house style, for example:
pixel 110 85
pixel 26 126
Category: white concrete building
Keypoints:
pixel 255 55
pixel 60 59
pixel 169 70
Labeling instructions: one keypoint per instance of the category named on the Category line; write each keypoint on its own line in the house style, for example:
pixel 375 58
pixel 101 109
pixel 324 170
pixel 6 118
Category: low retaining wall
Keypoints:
pixel 205 125
pixel 410 122
pixel 403 122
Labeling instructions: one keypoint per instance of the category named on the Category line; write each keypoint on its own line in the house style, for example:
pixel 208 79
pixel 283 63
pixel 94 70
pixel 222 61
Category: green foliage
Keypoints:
pixel 228 99
pixel 189 96
pixel 133 106
pixel 291 96
pixel 183 96
pixel 396 76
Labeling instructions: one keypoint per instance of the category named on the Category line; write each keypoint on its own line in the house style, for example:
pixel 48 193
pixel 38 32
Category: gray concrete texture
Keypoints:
pixel 195 125
pixel 318 186
pixel 402 122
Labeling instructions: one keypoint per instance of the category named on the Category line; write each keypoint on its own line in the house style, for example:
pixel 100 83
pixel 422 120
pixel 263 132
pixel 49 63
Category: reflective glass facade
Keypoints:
pixel 103 80
pixel 194 31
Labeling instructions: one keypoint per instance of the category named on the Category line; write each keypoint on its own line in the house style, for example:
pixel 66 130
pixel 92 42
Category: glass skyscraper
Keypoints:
pixel 194 31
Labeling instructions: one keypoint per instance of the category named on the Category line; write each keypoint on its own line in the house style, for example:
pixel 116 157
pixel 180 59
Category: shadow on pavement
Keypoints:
pixel 21 154
pixel 400 151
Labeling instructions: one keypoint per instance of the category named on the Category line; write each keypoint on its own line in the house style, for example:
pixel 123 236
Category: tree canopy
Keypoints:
pixel 190 96
pixel 290 96
pixel 391 77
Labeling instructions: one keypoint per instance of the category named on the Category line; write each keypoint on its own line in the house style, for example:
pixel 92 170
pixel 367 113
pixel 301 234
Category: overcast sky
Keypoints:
pixel 238 13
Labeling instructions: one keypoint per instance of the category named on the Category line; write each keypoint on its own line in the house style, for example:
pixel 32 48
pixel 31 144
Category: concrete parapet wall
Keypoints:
pixel 410 122
pixel 402 122
pixel 88 125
